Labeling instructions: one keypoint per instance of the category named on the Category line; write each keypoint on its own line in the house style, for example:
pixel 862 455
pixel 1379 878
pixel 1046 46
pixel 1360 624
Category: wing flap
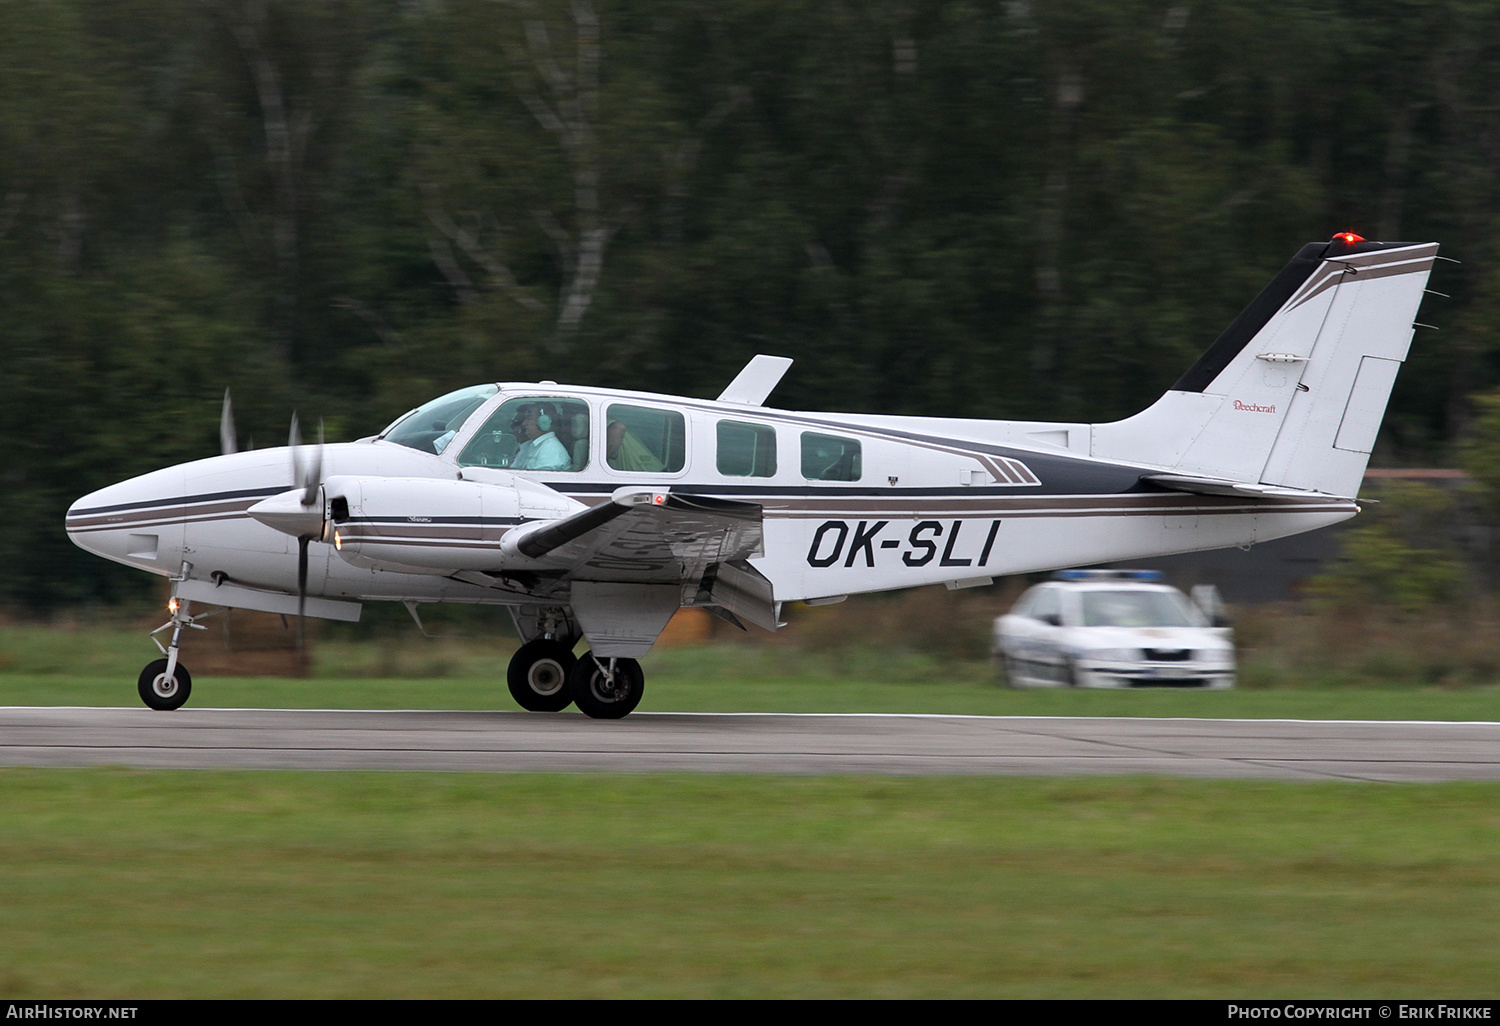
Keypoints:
pixel 650 537
pixel 632 561
pixel 742 591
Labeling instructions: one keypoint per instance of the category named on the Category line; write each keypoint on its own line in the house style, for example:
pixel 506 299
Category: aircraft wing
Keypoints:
pixel 660 537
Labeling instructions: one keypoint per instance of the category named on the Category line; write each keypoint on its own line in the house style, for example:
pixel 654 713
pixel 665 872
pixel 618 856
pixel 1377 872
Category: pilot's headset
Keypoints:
pixel 543 418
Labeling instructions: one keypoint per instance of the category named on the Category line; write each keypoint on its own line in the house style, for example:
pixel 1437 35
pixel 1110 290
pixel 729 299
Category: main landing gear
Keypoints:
pixel 606 689
pixel 165 683
pixel 545 676
pixel 538 675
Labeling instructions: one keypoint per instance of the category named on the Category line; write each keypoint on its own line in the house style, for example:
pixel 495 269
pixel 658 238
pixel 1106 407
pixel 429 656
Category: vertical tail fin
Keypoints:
pixel 1292 393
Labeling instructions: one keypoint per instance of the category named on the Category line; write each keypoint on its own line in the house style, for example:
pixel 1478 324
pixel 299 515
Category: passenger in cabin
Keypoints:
pixel 626 452
pixel 540 448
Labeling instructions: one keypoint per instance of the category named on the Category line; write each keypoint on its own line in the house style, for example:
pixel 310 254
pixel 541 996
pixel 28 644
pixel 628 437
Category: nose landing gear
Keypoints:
pixel 163 686
pixel 165 683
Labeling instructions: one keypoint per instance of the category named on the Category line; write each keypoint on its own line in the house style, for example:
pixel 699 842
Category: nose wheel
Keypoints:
pixel 606 689
pixel 538 675
pixel 165 683
pixel 165 689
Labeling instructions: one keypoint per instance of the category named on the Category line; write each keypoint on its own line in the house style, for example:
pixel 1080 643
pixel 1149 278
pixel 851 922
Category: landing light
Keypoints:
pixel 172 605
pixel 338 541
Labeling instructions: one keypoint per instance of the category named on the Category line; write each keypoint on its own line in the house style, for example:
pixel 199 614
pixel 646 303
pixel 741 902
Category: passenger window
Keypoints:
pixel 746 450
pixel 830 458
pixel 532 433
pixel 645 440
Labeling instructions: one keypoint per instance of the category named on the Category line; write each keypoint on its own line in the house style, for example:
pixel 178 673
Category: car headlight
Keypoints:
pixel 1114 655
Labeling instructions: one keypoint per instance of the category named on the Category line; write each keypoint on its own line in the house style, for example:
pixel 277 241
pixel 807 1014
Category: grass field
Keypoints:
pixel 668 692
pixel 99 667
pixel 220 884
pixel 139 884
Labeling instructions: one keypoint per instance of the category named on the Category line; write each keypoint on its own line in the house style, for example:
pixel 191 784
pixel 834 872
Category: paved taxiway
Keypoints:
pixel 749 743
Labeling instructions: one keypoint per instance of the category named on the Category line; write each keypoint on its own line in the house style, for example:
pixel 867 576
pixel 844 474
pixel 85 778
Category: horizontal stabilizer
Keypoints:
pixel 1219 486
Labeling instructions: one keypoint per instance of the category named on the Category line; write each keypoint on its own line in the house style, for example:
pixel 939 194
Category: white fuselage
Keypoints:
pixel 931 501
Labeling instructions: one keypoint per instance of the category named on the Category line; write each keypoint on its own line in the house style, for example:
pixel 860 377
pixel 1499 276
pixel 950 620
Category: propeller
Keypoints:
pixel 299 510
pixel 226 426
pixel 307 474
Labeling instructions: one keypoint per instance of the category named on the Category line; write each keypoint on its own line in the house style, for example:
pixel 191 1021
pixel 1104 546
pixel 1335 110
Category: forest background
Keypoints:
pixel 1038 209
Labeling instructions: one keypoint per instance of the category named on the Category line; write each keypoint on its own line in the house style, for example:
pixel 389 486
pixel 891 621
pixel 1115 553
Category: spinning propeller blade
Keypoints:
pixel 307 474
pixel 301 586
pixel 226 427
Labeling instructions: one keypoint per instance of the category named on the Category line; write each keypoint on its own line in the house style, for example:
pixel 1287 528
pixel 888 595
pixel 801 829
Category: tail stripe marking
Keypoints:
pixel 1335 271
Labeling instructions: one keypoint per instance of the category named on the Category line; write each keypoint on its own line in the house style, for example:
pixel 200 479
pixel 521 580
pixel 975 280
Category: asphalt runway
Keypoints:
pixel 748 743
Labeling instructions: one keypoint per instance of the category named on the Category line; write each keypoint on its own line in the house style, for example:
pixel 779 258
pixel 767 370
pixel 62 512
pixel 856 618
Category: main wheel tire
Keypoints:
pixel 538 676
pixel 163 693
pixel 601 697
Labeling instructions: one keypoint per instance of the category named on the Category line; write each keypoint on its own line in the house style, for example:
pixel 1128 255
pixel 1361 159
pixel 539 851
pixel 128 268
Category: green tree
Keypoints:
pixel 1402 556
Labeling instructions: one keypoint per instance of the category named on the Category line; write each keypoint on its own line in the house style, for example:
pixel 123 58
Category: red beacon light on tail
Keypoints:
pixel 1349 238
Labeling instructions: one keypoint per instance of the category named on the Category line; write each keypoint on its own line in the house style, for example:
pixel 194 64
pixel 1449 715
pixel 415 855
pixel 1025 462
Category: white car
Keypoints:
pixel 1114 629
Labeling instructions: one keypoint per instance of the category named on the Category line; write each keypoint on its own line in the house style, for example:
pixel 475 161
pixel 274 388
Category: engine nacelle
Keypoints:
pixel 427 525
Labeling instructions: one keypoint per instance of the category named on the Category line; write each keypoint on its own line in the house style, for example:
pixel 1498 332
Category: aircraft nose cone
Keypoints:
pixel 136 522
pixel 96 516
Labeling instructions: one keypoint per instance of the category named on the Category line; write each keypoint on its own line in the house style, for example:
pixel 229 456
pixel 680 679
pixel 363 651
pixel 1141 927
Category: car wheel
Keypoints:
pixel 1012 671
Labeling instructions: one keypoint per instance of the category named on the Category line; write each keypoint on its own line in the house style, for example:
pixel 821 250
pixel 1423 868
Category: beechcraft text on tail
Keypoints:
pixel 595 514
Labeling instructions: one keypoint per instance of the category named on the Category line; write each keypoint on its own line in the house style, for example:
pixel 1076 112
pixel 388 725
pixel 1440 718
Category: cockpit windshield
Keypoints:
pixel 430 427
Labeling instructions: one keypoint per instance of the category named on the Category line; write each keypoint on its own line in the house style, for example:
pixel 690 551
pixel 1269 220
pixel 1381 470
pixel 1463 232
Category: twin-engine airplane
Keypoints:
pixel 595 514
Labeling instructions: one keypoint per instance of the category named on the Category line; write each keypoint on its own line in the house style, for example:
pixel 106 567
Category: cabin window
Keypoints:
pixel 830 457
pixel 430 427
pixel 637 438
pixel 541 433
pixel 746 450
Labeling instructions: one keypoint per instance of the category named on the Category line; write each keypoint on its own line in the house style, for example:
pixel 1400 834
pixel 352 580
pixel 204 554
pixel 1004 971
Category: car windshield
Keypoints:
pixel 430 427
pixel 1137 609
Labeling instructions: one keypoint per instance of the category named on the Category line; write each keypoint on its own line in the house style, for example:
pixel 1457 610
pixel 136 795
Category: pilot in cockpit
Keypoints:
pixel 540 449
